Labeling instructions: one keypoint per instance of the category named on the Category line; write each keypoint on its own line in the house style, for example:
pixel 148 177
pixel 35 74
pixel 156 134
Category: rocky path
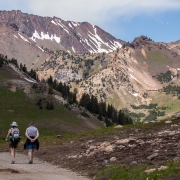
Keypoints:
pixel 39 170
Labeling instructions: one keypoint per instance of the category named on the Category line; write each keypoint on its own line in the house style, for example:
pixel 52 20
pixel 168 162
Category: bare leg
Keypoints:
pixel 30 154
pixel 33 152
pixel 12 154
pixel 13 150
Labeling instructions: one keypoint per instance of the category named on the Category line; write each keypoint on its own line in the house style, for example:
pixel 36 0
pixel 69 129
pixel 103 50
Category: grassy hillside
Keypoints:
pixel 17 106
pixel 171 102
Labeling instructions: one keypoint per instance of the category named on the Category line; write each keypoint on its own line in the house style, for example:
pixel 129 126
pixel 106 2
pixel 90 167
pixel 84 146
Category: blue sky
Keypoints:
pixel 157 19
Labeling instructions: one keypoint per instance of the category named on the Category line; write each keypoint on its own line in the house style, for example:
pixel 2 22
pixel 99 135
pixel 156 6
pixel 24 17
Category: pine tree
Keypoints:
pixel 55 84
pixel 50 80
pixel 50 90
pixel 85 101
pixel 74 98
pixel 21 66
pixel 48 105
pixel 108 122
pixel 102 105
pixel 64 90
pixel 100 113
pixel 94 104
pixel 114 116
pixel 109 111
pixel 59 87
pixel 24 69
pixel 51 106
pixel 120 117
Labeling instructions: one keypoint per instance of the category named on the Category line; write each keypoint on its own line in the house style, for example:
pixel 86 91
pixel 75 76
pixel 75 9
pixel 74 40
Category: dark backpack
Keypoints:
pixel 15 136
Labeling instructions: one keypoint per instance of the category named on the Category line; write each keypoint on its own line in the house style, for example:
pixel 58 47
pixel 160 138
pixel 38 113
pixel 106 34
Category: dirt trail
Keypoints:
pixel 39 170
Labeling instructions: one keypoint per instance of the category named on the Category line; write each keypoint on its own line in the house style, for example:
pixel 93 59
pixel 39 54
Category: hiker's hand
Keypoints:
pixel 32 140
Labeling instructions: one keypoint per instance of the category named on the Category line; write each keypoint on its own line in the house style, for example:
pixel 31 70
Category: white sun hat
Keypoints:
pixel 13 124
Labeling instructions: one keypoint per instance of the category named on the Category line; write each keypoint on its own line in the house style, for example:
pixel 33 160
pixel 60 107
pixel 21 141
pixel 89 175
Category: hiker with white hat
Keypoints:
pixel 14 137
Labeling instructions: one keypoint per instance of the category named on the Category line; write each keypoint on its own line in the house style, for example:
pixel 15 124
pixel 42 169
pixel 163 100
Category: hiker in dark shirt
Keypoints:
pixel 12 145
pixel 32 142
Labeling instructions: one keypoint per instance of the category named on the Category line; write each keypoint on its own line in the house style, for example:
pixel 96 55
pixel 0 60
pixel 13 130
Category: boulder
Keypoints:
pixel 113 159
pixel 109 148
pixel 152 156
pixel 118 126
pixel 134 163
pixel 59 136
pixel 174 126
pixel 168 122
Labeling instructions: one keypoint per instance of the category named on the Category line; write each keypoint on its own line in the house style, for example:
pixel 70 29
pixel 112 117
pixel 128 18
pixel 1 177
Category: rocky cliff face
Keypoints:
pixel 174 46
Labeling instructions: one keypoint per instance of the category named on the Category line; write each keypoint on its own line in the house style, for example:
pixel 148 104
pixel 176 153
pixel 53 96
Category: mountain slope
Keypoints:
pixel 17 45
pixel 125 77
pixel 19 103
pixel 131 68
pixel 51 34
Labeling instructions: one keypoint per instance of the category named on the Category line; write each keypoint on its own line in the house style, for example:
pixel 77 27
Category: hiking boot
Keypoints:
pixel 12 162
pixel 30 162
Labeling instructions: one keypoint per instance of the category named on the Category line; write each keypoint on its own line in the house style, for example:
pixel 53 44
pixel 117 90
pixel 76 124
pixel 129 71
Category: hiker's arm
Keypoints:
pixel 8 134
pixel 37 135
pixel 26 134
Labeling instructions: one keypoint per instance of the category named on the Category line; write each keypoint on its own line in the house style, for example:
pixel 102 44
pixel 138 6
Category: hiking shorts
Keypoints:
pixel 12 144
pixel 30 146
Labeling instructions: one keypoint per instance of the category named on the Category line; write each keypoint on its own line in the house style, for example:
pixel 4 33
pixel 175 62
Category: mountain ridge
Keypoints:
pixel 75 36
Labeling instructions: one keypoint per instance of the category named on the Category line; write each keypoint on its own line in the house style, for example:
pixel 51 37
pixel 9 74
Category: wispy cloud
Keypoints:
pixel 161 21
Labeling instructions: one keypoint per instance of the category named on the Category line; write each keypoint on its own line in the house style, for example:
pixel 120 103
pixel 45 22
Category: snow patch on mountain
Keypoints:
pixel 98 42
pixel 116 45
pixel 15 36
pixel 91 51
pixel 129 69
pixel 54 22
pixel 70 25
pixel 44 36
pixel 135 94
pixel 30 80
pixel 79 34
pixel 40 48
pixel 23 38
pixel 75 23
pixel 58 21
pixel 134 78
pixel 73 49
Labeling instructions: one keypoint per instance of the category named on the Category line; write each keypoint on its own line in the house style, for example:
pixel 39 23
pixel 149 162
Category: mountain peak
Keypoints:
pixel 57 34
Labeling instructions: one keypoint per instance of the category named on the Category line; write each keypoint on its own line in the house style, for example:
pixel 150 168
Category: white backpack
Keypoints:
pixel 15 135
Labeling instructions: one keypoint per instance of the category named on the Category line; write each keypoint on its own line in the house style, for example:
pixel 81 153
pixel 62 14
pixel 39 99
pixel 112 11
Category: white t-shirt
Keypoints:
pixel 32 131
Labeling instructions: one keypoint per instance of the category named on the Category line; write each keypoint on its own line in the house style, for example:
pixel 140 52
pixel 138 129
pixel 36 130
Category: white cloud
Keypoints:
pixel 161 21
pixel 94 11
